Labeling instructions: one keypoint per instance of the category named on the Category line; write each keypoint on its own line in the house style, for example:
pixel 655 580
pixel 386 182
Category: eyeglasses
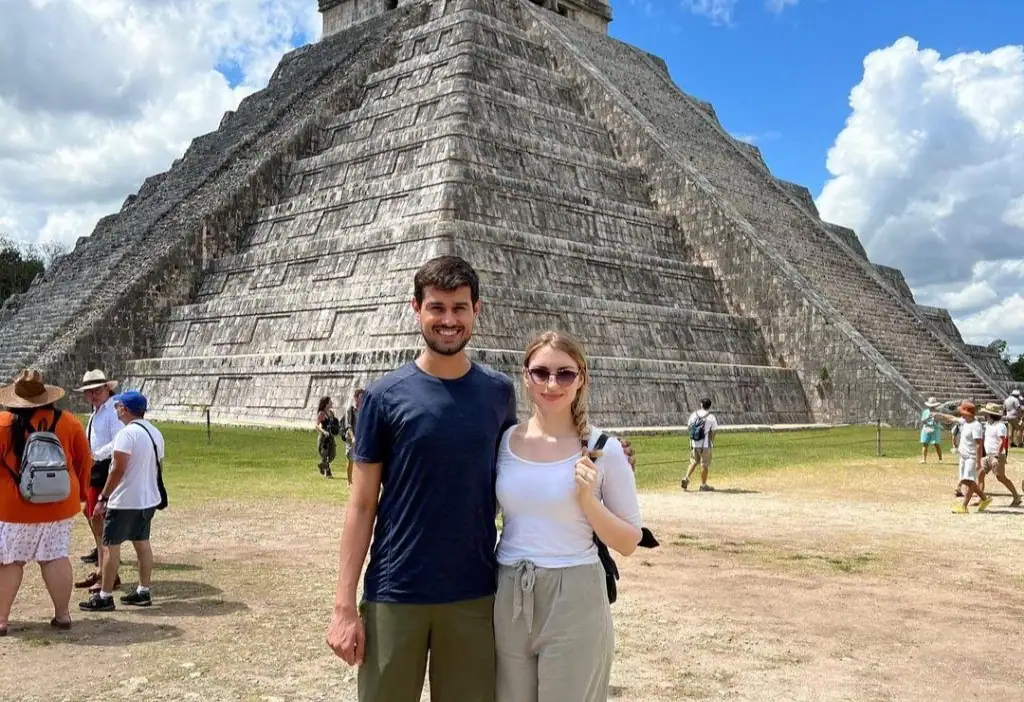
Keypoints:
pixel 541 376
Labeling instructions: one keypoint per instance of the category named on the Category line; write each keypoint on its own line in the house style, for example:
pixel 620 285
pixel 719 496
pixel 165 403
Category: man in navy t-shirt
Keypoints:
pixel 426 443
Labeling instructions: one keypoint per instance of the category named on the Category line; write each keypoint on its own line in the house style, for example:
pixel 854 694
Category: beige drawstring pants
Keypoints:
pixel 553 634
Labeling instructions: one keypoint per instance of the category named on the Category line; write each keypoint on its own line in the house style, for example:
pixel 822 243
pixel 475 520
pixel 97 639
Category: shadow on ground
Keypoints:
pixel 94 630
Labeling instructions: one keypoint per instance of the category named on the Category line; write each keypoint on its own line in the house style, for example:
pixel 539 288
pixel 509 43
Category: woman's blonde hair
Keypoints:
pixel 565 343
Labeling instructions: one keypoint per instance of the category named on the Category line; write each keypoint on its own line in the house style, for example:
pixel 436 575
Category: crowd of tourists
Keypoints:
pixel 53 465
pixel 982 439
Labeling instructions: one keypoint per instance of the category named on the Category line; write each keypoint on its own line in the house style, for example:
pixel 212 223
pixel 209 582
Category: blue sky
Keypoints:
pixel 785 78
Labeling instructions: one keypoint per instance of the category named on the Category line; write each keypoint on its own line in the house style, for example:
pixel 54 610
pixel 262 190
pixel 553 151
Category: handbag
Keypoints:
pixel 611 570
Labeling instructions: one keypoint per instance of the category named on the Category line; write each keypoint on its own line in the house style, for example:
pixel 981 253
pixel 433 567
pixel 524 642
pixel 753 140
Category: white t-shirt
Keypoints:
pixel 969 434
pixel 710 425
pixel 995 432
pixel 542 519
pixel 138 487
pixel 1011 407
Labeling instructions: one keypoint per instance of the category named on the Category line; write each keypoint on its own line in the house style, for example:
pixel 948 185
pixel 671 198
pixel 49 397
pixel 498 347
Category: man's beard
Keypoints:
pixel 434 344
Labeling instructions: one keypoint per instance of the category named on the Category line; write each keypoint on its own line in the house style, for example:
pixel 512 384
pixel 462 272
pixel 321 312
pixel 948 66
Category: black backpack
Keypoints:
pixel 611 571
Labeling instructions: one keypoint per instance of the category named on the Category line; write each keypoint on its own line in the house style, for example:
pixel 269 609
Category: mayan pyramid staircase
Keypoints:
pixel 470 143
pixel 847 282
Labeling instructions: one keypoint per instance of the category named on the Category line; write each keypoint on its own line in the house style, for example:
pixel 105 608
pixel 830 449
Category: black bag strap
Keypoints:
pixel 156 452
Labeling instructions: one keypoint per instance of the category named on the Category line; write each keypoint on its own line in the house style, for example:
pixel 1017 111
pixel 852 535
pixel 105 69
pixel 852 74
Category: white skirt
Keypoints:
pixel 22 543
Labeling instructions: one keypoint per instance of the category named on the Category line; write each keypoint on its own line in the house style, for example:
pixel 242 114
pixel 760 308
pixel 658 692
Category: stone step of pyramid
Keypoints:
pixel 475 101
pixel 281 386
pixel 312 324
pixel 335 263
pixel 488 144
pixel 493 199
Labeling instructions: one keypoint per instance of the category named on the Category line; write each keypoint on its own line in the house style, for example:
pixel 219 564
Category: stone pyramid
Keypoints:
pixel 273 263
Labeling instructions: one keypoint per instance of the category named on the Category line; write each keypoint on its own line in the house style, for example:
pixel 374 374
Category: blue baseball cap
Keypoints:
pixel 133 401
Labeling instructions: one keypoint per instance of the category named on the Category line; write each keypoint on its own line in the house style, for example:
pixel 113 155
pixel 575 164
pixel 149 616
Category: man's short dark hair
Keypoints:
pixel 705 403
pixel 447 273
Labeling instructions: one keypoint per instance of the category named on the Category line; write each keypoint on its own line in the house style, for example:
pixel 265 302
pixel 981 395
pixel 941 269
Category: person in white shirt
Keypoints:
pixel 130 498
pixel 969 445
pixel 997 446
pixel 552 618
pixel 1012 408
pixel 701 427
pixel 101 429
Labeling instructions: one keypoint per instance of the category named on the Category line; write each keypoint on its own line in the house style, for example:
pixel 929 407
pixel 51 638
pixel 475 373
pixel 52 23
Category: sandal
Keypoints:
pixel 63 626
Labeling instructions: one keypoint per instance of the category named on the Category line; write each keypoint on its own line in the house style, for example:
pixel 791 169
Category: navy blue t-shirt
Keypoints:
pixel 434 538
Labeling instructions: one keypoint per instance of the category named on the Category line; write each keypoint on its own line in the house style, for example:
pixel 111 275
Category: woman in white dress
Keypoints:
pixel 552 620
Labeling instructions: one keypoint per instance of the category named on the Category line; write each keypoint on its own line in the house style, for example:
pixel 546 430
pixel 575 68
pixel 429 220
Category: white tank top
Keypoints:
pixel 542 520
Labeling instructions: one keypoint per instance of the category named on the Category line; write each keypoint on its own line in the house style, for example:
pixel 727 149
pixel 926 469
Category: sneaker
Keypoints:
pixel 959 509
pixel 91 557
pixel 685 483
pixel 328 474
pixel 983 505
pixel 98 604
pixel 137 599
pixel 706 488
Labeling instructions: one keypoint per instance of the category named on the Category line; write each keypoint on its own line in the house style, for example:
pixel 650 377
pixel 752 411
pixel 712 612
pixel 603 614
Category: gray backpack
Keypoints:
pixel 44 475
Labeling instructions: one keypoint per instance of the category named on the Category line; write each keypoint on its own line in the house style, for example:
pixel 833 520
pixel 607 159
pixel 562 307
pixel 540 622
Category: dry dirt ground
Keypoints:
pixel 829 583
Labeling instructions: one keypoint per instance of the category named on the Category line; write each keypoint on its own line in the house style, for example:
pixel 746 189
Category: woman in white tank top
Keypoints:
pixel 552 621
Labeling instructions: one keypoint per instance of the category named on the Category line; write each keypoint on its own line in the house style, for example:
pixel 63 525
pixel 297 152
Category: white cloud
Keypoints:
pixel 929 169
pixel 755 139
pixel 718 11
pixel 1006 316
pixel 96 95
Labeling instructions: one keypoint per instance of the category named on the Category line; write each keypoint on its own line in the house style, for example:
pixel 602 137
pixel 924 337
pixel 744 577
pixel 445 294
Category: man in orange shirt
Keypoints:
pixel 30 531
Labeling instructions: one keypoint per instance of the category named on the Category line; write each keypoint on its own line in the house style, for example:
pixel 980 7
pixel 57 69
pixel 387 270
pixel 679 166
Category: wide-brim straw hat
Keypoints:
pixel 28 391
pixel 96 379
pixel 932 403
pixel 993 409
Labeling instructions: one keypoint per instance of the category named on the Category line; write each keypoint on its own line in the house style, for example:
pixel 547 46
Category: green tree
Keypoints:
pixel 1017 369
pixel 18 267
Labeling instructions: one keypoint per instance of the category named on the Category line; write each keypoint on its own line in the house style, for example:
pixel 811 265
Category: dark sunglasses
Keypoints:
pixel 541 376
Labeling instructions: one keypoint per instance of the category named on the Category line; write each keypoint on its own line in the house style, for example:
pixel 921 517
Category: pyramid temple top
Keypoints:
pixel 340 14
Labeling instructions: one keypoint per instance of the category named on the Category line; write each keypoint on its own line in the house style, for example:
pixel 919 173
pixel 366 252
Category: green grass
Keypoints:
pixel 247 463
pixel 255 464
pixel 661 460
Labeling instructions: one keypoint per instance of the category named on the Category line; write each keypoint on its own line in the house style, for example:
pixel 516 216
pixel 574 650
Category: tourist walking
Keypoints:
pixel 423 488
pixel 1014 418
pixel 129 500
pixel 31 530
pixel 552 619
pixel 327 428
pixel 970 447
pixel 931 430
pixel 101 429
pixel 997 446
pixel 351 415
pixel 701 427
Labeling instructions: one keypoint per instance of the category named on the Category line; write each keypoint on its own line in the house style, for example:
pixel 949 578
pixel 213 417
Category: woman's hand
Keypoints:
pixel 586 480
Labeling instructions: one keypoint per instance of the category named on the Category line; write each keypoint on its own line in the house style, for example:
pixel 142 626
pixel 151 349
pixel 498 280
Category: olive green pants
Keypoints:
pixel 458 636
